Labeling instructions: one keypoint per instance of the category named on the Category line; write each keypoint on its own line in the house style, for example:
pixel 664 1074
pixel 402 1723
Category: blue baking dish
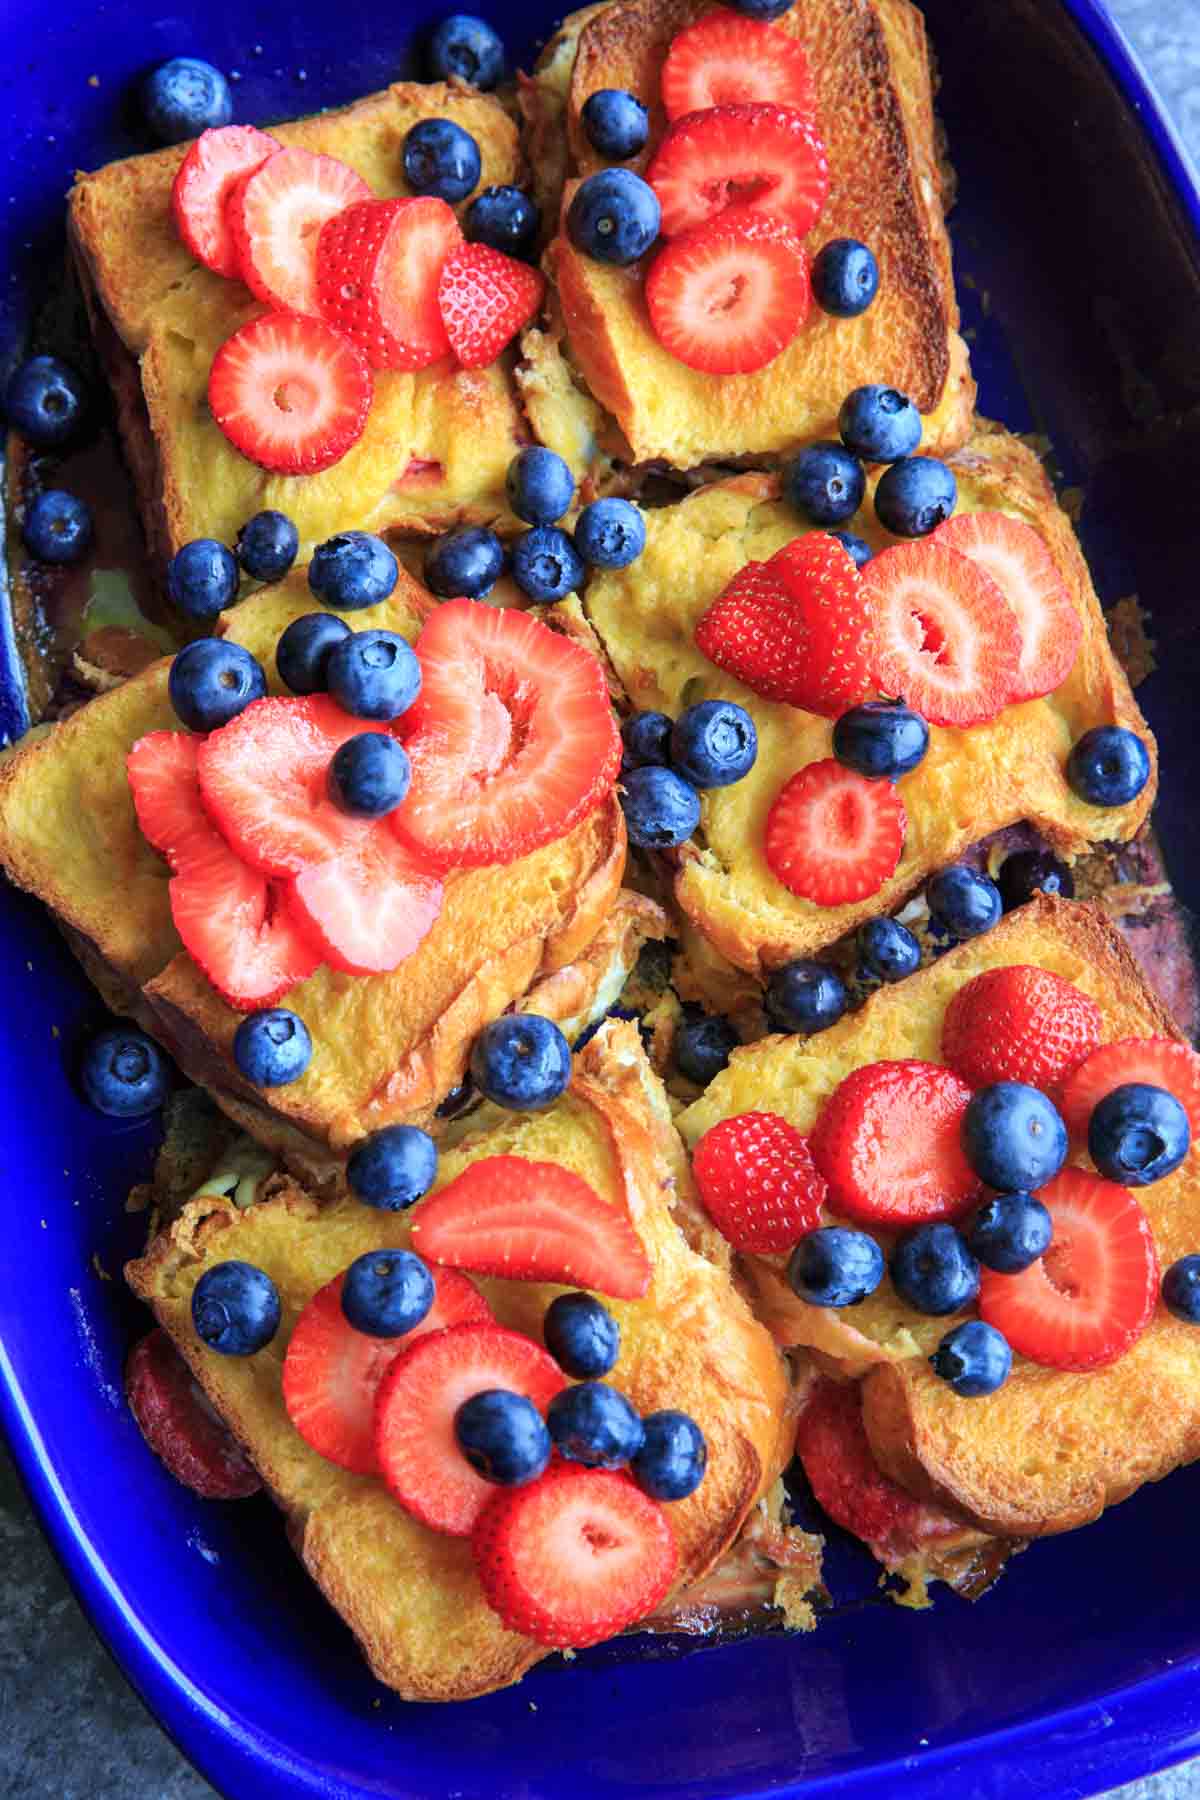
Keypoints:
pixel 1078 240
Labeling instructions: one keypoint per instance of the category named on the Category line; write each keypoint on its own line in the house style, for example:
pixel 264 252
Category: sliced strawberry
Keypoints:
pixel 1092 1294
pixel 727 297
pixel 725 59
pixel 532 1221
pixel 767 157
pixel 1159 1062
pixel 485 298
pixel 1019 1024
pixel 181 1427
pixel 1016 558
pixel 833 836
pixel 162 778
pixel 291 394
pixel 575 1557
pixel 206 178
pixel 276 214
pixel 512 739
pixel 947 640
pixel 332 1373
pixel 415 1446
pixel 887 1142
pixel 369 907
pixel 378 267
pixel 758 1182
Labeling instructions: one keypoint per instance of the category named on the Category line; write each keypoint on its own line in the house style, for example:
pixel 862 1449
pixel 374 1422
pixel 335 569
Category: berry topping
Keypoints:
pixel 593 1424
pixel 276 213
pixel 856 548
pixel 879 424
pixel 767 157
pixel 1019 1024
pixel 123 1073
pixel 888 1142
pixel 539 485
pixel 845 278
pixel 521 1061
pixel 758 1182
pixel 882 739
pixel 1109 766
pixel 933 1271
pixel 441 159
pixel 503 1436
pixel 1161 1062
pixel 714 743
pixel 834 1266
pixel 393 1167
pixel 185 96
pixel 915 496
pixel 616 123
pixel 725 60
pixel 702 1047
pixel 369 775
pixel 505 218
pixel 947 641
pixel 888 950
pixel 290 394
pixel 353 570
pixel 661 808
pixel 805 995
pixel 180 1426
pixel 545 563
pixel 581 1335
pixel 674 1455
pixel 846 1480
pixel 267 546
pixel 369 906
pixel 614 217
pixel 202 578
pixel 833 836
pixel 272 1048
pixel 1138 1134
pixel 374 675
pixel 58 527
pixel 206 178
pixel 974 1358
pixel 378 267
pixel 610 533
pixel 1028 872
pixel 235 1308
pixel 1016 558
pixel 963 902
pixel 465 48
pixel 1008 1232
pixel 1180 1290
pixel 302 653
pixel 465 563
pixel 387 1293
pixel 46 401
pixel 727 296
pixel 825 484
pixel 1013 1137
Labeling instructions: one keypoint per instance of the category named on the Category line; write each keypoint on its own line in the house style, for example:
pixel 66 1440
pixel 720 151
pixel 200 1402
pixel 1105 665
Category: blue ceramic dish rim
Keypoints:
pixel 1148 1724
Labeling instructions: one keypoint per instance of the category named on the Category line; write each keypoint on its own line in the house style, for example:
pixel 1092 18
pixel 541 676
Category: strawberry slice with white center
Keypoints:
pixel 369 907
pixel 727 297
pixel 1091 1295
pixel 205 181
pixel 291 394
pixel 1159 1062
pixel 832 835
pixel 725 59
pixel 378 267
pixel 162 778
pixel 415 1446
pixel 276 214
pixel 1016 558
pixel 767 157
pixel 512 739
pixel 332 1373
pixel 485 299
pixel 947 641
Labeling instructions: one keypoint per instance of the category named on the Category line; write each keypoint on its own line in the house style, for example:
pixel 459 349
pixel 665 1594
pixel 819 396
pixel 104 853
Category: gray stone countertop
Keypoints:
pixel 72 1728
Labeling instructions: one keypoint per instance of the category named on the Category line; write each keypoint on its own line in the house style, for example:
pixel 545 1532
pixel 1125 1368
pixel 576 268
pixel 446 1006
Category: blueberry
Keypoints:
pixel 593 1424
pixel 539 485
pixel 1025 871
pixel 464 48
pixel 1108 766
pixel 46 402
pixel 124 1074
pixel 184 97
pixel 369 775
pixel 881 739
pixel 267 546
pixel 671 1462
pixel 888 950
pixel 616 123
pixel 202 578
pixel 933 1271
pixel 1013 1137
pixel 393 1167
pixel 581 1335
pixel 373 674
pixel 521 1061
pixel 661 809
pixel 647 739
pixel 353 569
pixel 212 681
pixel 386 1293
pixel 503 1436
pixel 915 496
pixel 1137 1134
pixel 610 534
pixel 235 1308
pixel 272 1047
pixel 460 1099
pixel 845 278
pixel 505 219
pixel 546 564
pixel 442 159
pixel 805 996
pixel 466 563
pixel 702 1047
pixel 302 653
pixel 1181 1289
pixel 714 743
pixel 825 484
pixel 58 527
pixel 964 901
pixel 856 547
pixel 974 1358
pixel 1009 1232
pixel 614 216
pixel 879 423
pixel 834 1266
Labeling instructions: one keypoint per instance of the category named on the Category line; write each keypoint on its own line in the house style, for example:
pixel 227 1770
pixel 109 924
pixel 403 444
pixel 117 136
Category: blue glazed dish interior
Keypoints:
pixel 1078 247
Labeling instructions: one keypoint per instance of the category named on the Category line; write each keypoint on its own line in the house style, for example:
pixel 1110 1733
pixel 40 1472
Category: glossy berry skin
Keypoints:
pixel 124 1074
pixel 714 743
pixel 272 1047
pixel 539 485
pixel 661 808
pixel 805 996
pixel 703 1046
pixel 591 1423
pixel 303 651
pixel 212 681
pixel 879 424
pixel 646 737
pixel 441 159
pixel 888 950
pixel 616 123
pixel 465 48
pixel 881 740
pixel 353 569
pixel 614 217
pixel 1108 766
pixel 1137 1134
pixel 373 674
pixel 915 496
pixel 933 1271
pixel 845 277
pixel 674 1455
pixel 58 527
pixel 46 401
pixel 835 1266
pixel 503 1436
pixel 974 1358
pixel 1009 1232
pixel 202 578
pixel 235 1308
pixel 1181 1289
pixel 1014 1137
pixel 856 548
pixel 582 1336
pixel 466 563
pixel 267 545
pixel 825 484
pixel 1026 871
pixel 962 900
pixel 369 776
pixel 521 1061
pixel 386 1293
pixel 610 534
pixel 184 97
pixel 505 219
pixel 546 564
pixel 393 1167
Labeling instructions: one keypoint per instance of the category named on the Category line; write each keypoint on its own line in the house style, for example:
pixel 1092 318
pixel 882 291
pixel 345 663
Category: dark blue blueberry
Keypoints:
pixel 963 900
pixel 539 485
pixel 805 996
pixel 1026 871
pixel 212 681
pixel 582 1336
pixel 546 564
pixel 610 534
pixel 881 739
pixel 461 1099
pixel 464 48
pixel 616 123
pixel 825 484
pixel 184 97
pixel 267 546
pixel 974 1358
pixel 442 159
pixel 124 1074
pixel 614 216
pixel 834 1266
pixel 272 1047
pixel 855 546
pixel 702 1047
pixel 1009 1232
pixel 880 424
pixel 933 1271
pixel 1013 1137
pixel 714 743
pixel 503 1436
pixel 353 569
pixel 647 739
pixel 593 1424
pixel 466 563
pixel 46 402
pixel 386 1293
pixel 671 1462
pixel 1181 1289
pixel 521 1061
pixel 373 674
pixel 235 1308
pixel 915 496
pixel 661 808
pixel 58 527
pixel 845 278
pixel 393 1167
pixel 369 775
pixel 505 218
pixel 302 653
pixel 1109 766
pixel 1137 1134
pixel 202 578
pixel 888 950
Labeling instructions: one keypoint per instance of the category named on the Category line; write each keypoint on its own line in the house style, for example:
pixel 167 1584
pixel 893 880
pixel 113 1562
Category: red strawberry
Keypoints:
pixel 947 640
pixel 1019 1024
pixel 512 739
pixel 369 907
pixel 378 266
pixel 162 779
pixel 1016 558
pixel 575 1557
pixel 332 1373
pixel 725 59
pixel 767 157
pixel 206 178
pixel 887 1142
pixel 276 214
pixel 1160 1062
pixel 758 1182
pixel 181 1427
pixel 485 298
pixel 415 1447
pixel 532 1221
pixel 833 836
pixel 727 297
pixel 291 394
pixel 1091 1295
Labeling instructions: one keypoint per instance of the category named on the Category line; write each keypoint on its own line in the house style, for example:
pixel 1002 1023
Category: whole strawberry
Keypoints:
pixel 1019 1024
pixel 758 1182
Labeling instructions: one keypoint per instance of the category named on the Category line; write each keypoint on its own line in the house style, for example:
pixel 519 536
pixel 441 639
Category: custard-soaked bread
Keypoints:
pixel 409 1594
pixel 1050 1449
pixel 971 783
